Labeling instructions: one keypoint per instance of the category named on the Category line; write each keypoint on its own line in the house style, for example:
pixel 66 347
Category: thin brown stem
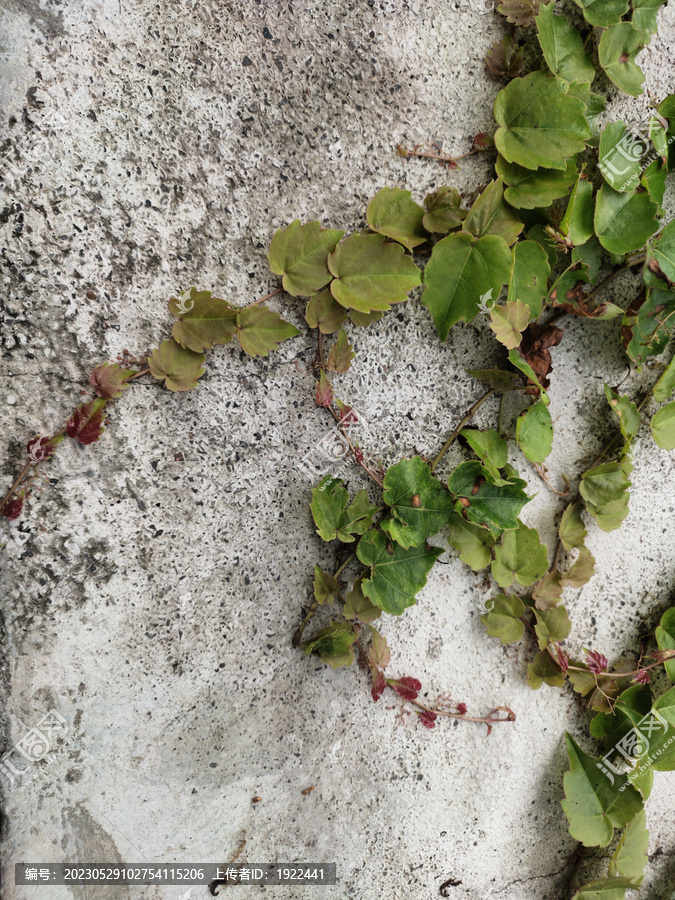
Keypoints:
pixel 629 265
pixel 139 374
pixel 579 855
pixel 266 297
pixel 470 413
pixel 488 720
pixel 16 484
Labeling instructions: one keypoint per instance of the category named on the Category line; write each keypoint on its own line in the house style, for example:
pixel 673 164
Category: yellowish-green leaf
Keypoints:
pixel 324 313
pixel 178 367
pixel 299 254
pixel 509 321
pixel 371 273
pixel 260 330
pixel 394 214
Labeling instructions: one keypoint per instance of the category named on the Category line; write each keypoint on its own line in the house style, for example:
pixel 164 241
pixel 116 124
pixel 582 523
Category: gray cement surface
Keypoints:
pixel 151 589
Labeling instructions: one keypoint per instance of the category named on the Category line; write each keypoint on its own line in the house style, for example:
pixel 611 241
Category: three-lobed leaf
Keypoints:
pixel 371 273
pixel 394 214
pixel 299 254
pixel 260 330
pixel 534 432
pixel 504 618
pixel 563 47
pixel 520 555
pixel 177 366
pixel 203 320
pixel 490 215
pixel 334 516
pixel 397 574
pixel 420 505
pixel 494 506
pixel 617 49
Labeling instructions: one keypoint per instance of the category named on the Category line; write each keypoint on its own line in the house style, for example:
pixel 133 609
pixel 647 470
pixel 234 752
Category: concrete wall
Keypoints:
pixel 151 589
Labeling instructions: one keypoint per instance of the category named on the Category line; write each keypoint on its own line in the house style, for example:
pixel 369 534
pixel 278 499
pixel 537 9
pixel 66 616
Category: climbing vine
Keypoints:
pixel 568 202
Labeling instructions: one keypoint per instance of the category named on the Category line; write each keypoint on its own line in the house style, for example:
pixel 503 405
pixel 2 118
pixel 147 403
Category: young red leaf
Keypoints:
pixel 427 718
pixel 12 510
pixel 109 380
pixel 41 448
pixel 324 391
pixel 596 662
pixel 86 424
pixel 405 687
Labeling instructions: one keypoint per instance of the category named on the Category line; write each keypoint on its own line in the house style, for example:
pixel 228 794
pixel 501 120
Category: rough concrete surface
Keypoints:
pixel 151 589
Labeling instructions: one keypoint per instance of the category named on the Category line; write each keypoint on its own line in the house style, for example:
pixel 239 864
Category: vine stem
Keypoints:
pixel 16 484
pixel 488 720
pixel 470 413
pixel 422 154
pixel 579 855
pixel 266 297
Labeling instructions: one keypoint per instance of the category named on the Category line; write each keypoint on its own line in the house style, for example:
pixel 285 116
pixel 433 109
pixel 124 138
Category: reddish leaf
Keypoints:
pixel 483 141
pixel 109 380
pixel 405 687
pixel 642 677
pixel 41 448
pixel 12 510
pixel 563 659
pixel 535 347
pixel 461 709
pixel 379 683
pixel 324 391
pixel 427 718
pixel 596 662
pixel 86 424
pixel 505 59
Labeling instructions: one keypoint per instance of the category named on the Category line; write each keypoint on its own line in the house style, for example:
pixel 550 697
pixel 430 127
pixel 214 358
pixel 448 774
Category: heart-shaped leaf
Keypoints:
pixel 663 427
pixel 180 368
pixel 397 574
pixel 509 321
pixel 420 505
pixel 203 320
pixel 324 313
pixel 605 490
pixel 488 445
pixel 299 254
pixel 644 17
pixel 443 211
pixel 593 804
pixel 534 432
pixel 520 555
pixel 504 619
pixel 333 517
pixel 393 213
pixel 495 506
pixel 563 47
pixel 552 625
pixel 618 47
pixel 470 541
pixel 540 123
pixel 462 270
pixel 371 273
pixel 528 189
pixel 259 330
pixel 490 215
pixel 624 221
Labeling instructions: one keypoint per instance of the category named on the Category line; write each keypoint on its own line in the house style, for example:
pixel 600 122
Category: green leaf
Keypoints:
pixel 333 645
pixel 509 321
pixel 540 124
pixel 203 320
pixel 371 273
pixel 260 330
pixel 521 556
pixel 358 606
pixel 624 221
pixel 420 505
pixel 572 530
pixel 577 223
pixel 630 857
pixel 593 806
pixel 397 574
pixel 503 620
pixel 488 445
pixel 461 270
pixel 654 180
pixel 543 670
pixel 630 707
pixel 605 490
pixel 484 503
pixel 180 368
pixel 595 105
pixel 603 12
pixel 364 319
pixel 644 17
pixel 665 386
pixel 539 235
pixel 393 213
pixel 647 325
pixel 470 541
pixel 332 515
pixel 626 410
pixel 489 215
pixel 529 276
pixel 590 256
pixel 324 313
pixel 341 354
pixel 663 427
pixel 325 586
pixel 665 638
pixel 552 624
pixel 563 47
pixel 618 47
pixel 620 157
pixel 658 135
pixel 534 432
pixel 604 889
pixel 299 254
pixel 548 592
pixel 527 189
pixel 517 359
pixel 444 213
